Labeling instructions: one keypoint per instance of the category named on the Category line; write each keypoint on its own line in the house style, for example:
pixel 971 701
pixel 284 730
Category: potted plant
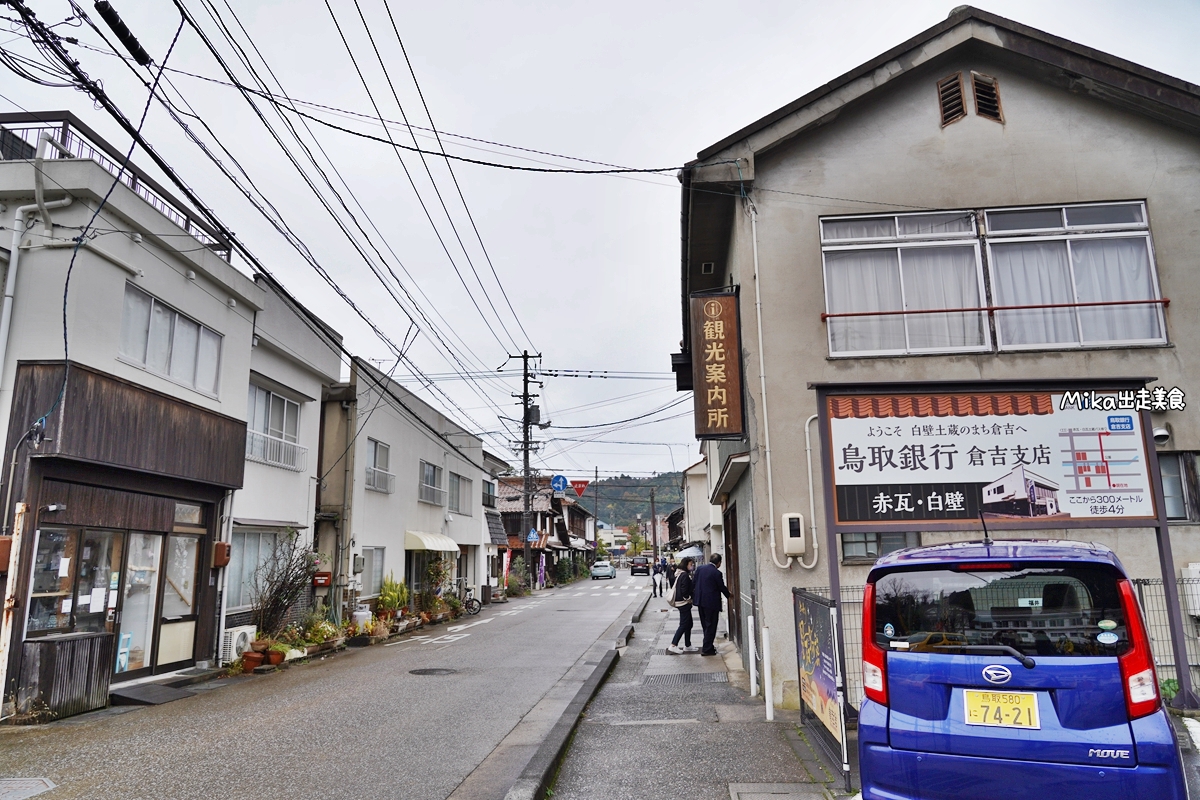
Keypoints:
pixel 393 595
pixel 277 652
pixel 251 659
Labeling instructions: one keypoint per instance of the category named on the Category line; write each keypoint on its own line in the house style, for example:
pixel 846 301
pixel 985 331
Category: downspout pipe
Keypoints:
pixel 762 388
pixel 224 534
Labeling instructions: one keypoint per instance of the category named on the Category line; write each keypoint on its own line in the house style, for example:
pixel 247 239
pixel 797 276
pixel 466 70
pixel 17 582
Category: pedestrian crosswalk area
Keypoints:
pixel 631 587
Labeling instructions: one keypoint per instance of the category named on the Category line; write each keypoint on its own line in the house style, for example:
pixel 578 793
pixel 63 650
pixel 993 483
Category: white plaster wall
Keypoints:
pixel 1055 147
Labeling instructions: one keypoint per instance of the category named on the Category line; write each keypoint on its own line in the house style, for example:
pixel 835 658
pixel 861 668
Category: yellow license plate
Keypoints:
pixel 1002 709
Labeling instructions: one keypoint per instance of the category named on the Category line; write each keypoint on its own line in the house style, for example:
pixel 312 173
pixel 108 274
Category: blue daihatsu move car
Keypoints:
pixel 1014 670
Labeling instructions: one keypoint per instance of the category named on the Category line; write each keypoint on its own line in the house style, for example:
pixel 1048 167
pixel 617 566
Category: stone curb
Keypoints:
pixel 539 773
pixel 641 608
pixel 624 636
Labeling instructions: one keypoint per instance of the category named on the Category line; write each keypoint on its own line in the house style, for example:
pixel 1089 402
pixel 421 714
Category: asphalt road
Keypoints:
pixel 357 725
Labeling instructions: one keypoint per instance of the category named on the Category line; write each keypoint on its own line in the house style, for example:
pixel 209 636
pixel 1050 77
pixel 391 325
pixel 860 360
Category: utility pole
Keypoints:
pixel 653 524
pixel 526 446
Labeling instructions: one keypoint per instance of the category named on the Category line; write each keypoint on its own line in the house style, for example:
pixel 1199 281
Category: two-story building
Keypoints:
pixel 123 394
pixel 401 484
pixel 927 256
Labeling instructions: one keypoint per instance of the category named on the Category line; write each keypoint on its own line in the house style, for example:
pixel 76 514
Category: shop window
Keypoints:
pixel 459 495
pixel 868 547
pixel 160 339
pixel 251 550
pixel 75 581
pixel 372 574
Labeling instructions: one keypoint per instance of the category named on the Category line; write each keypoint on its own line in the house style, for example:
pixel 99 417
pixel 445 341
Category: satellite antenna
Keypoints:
pixel 987 537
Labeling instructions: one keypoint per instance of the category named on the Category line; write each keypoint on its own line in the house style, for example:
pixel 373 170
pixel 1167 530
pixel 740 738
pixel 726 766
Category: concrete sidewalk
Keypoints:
pixel 685 726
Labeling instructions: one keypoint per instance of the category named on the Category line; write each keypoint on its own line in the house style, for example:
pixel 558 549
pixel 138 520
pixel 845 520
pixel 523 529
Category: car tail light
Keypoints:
pixel 874 656
pixel 1137 664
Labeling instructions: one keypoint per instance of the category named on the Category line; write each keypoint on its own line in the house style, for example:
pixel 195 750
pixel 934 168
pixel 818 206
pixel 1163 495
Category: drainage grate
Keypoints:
pixel 687 677
pixel 432 671
pixel 21 788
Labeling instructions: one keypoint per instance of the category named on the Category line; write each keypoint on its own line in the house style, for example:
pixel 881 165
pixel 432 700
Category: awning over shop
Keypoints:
pixel 244 522
pixel 419 540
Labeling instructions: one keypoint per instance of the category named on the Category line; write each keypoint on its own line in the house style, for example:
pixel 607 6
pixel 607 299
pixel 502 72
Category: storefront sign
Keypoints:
pixel 717 366
pixel 1028 457
pixel 817 659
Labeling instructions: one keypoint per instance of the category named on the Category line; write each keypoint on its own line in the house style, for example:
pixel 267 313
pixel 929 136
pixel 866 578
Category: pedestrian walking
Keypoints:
pixel 681 598
pixel 656 578
pixel 707 587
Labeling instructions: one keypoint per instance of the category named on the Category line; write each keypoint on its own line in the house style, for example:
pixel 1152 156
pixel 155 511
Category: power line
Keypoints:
pixel 450 169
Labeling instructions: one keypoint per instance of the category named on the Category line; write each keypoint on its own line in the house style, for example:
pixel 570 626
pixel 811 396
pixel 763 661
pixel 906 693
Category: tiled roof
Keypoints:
pixel 496 528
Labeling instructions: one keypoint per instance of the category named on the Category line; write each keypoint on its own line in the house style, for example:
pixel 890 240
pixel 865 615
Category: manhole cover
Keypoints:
pixel 21 788
pixel 432 671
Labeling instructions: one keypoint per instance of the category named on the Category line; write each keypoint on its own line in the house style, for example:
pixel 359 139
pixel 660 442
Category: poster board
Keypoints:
pixel 822 690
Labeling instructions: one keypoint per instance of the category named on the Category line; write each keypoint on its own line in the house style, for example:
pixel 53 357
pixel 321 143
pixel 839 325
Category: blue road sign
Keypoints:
pixel 558 483
pixel 533 535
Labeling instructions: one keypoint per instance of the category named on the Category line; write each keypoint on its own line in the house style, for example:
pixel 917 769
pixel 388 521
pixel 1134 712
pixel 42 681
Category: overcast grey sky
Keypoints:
pixel 590 263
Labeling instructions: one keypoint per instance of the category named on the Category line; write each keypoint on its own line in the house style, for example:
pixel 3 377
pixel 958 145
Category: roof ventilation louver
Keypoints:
pixel 950 96
pixel 987 97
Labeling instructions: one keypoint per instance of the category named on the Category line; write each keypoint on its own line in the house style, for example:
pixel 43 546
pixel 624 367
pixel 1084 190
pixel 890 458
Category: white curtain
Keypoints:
pixel 864 280
pixel 1115 269
pixel 942 277
pixel 878 228
pixel 924 224
pixel 1029 273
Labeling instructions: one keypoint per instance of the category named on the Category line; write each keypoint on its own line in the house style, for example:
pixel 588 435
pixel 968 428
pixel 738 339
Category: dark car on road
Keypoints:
pixel 639 565
pixel 1010 671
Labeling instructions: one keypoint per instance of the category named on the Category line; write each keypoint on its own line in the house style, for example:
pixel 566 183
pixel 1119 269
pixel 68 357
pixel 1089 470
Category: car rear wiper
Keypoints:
pixel 1026 661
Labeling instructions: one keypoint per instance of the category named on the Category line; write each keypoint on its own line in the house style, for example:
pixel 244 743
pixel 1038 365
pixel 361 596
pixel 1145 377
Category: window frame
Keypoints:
pixel 489 493
pixel 1187 493
pixel 378 557
pixel 435 489
pixel 373 472
pixel 246 581
pixel 459 494
pixel 900 244
pixel 1079 236
pixel 144 364
pixel 912 539
pixel 984 238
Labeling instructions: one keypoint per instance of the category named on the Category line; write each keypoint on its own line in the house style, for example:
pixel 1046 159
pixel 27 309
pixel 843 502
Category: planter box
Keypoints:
pixel 440 617
pixel 365 640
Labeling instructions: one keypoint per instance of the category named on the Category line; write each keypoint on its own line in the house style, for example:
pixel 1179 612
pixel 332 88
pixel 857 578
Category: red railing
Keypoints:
pixel 991 310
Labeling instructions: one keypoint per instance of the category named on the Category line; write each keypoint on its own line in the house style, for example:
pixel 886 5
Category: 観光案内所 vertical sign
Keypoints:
pixel 1015 457
pixel 716 366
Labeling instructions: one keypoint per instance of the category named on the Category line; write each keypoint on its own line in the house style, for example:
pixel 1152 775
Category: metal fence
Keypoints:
pixel 1153 600
pixel 1150 595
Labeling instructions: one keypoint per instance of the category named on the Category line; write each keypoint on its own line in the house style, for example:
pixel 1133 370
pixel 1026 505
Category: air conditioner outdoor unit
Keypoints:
pixel 237 641
pixel 1191 588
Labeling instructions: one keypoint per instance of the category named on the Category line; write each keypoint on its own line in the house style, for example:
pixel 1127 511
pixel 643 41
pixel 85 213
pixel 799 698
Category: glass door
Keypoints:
pixel 177 635
pixel 139 604
pixel 98 582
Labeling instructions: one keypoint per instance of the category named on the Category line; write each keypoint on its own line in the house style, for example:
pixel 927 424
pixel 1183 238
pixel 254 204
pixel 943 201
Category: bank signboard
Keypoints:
pixel 1021 459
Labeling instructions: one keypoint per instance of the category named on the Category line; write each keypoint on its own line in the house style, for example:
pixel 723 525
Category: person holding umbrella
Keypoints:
pixel 681 598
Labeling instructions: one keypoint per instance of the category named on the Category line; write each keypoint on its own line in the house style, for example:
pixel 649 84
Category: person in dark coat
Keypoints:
pixel 707 587
pixel 672 571
pixel 683 590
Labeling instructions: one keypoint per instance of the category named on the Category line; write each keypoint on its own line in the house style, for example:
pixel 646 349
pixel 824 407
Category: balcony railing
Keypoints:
pixel 431 494
pixel 19 139
pixel 265 449
pixel 380 481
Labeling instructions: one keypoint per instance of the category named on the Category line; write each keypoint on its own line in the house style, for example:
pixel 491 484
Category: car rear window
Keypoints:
pixel 639 561
pixel 1041 610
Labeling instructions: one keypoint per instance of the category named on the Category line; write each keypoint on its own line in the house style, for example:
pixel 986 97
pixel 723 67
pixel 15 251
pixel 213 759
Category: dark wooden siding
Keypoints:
pixel 105 420
pixel 94 506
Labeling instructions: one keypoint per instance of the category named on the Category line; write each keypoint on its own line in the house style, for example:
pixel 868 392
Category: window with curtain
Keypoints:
pixel 1078 270
pixel 431 490
pixel 162 340
pixel 906 277
pixel 251 549
pixel 372 574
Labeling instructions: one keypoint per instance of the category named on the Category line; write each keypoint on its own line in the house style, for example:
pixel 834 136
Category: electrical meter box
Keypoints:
pixel 793 534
